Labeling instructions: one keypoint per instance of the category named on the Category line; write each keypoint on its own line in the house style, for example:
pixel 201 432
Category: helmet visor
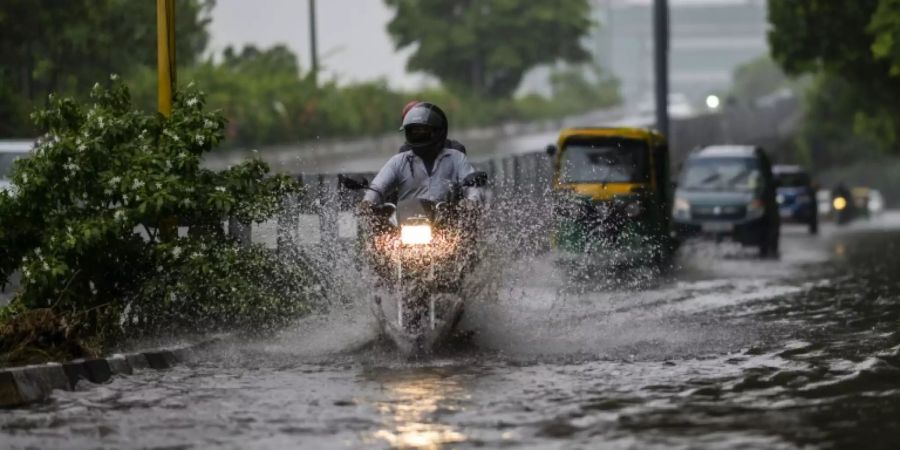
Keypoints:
pixel 419 134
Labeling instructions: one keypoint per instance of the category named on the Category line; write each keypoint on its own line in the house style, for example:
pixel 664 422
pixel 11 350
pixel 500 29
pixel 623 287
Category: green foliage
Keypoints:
pixel 268 101
pixel 485 47
pixel 84 218
pixel 885 26
pixel 573 93
pixel 64 46
pixel 206 284
pixel 826 136
pixel 851 40
pixel 759 78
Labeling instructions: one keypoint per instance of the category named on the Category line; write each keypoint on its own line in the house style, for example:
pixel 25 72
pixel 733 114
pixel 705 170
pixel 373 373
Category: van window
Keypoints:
pixel 721 174
pixel 791 180
pixel 604 161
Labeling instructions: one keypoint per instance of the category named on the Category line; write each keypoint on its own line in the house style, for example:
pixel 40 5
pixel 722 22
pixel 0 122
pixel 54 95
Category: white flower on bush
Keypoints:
pixel 70 166
pixel 119 215
pixel 137 184
pixel 113 76
pixel 114 181
pixel 24 178
pixel 209 124
pixel 171 135
pixel 199 139
pixel 176 251
pixel 221 188
pixel 191 101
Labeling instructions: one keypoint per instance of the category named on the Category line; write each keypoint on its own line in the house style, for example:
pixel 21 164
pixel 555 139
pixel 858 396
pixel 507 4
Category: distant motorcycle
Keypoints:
pixel 421 249
pixel 843 206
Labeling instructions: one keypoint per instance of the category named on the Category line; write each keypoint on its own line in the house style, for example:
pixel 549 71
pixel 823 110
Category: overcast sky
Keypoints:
pixel 353 42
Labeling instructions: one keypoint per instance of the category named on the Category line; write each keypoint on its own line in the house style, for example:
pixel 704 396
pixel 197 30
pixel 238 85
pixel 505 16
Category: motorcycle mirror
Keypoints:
pixel 475 179
pixel 550 149
pixel 353 182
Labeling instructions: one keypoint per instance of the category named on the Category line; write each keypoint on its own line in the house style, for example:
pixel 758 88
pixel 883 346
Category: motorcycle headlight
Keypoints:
pixel 682 209
pixel 415 234
pixel 839 203
pixel 756 209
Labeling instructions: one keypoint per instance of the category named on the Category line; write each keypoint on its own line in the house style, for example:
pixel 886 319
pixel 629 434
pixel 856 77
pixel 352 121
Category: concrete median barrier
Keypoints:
pixel 29 384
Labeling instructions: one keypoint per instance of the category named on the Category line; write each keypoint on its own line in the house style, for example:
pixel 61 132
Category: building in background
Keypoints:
pixel 709 39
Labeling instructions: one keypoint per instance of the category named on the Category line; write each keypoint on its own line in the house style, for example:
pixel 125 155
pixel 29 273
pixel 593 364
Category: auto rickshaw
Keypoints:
pixel 613 198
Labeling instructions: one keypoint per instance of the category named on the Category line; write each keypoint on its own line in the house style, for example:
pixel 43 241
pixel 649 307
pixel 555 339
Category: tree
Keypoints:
pixel 486 46
pixel 65 46
pixel 855 40
pixel 758 78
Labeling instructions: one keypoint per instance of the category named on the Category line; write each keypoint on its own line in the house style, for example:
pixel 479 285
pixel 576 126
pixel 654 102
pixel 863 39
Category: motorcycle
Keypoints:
pixel 421 248
pixel 843 205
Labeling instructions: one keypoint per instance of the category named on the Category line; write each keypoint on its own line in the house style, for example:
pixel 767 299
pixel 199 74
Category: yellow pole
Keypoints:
pixel 165 53
pixel 165 69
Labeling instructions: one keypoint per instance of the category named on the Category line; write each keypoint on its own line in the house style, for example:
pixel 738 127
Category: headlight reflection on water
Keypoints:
pixel 411 409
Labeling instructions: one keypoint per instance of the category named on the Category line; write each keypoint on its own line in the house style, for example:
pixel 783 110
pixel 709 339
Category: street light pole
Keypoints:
pixel 661 63
pixel 313 45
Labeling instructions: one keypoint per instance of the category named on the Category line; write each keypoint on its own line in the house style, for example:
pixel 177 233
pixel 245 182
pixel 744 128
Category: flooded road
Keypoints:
pixel 725 352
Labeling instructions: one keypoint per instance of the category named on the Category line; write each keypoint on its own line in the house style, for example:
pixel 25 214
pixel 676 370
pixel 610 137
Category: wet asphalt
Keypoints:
pixel 724 351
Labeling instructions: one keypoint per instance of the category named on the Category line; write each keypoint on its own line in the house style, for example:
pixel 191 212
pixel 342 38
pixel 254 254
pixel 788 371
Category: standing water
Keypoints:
pixel 727 351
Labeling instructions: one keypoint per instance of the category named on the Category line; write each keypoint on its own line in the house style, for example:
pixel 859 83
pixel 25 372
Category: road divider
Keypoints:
pixel 29 384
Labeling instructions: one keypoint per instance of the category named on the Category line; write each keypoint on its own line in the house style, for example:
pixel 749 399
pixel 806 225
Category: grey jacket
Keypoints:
pixel 405 173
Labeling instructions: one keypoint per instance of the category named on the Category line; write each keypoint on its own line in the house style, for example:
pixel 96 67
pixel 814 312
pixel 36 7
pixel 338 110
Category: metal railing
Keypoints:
pixel 323 214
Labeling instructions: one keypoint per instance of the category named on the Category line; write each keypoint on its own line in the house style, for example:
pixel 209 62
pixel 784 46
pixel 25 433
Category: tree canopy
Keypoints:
pixel 854 40
pixel 486 46
pixel 66 46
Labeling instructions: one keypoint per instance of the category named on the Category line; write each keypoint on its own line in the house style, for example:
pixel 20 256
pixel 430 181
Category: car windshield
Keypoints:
pixel 6 162
pixel 721 174
pixel 604 161
pixel 792 180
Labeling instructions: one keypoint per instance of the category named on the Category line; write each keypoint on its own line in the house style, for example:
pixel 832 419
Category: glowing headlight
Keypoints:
pixel 415 234
pixel 839 203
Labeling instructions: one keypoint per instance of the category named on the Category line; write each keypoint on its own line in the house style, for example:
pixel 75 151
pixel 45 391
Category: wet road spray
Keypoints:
pixel 725 351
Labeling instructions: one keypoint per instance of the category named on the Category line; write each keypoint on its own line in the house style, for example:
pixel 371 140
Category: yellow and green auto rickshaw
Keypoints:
pixel 613 197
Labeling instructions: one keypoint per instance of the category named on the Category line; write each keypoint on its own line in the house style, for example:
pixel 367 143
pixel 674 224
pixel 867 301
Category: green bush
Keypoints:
pixel 91 217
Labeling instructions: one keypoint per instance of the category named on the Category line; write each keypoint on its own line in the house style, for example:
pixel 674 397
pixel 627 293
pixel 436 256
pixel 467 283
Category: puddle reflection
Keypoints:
pixel 413 405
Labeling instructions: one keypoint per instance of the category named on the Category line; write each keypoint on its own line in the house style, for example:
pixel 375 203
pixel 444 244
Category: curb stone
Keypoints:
pixel 23 385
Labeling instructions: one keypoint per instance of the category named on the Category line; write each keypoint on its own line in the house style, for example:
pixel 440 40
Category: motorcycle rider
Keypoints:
pixel 450 143
pixel 426 159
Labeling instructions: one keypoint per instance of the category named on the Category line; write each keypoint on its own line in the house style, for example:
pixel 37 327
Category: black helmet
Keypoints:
pixel 425 126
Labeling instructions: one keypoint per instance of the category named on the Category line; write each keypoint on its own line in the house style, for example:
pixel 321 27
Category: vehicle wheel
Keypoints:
pixel 768 246
pixel 764 245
